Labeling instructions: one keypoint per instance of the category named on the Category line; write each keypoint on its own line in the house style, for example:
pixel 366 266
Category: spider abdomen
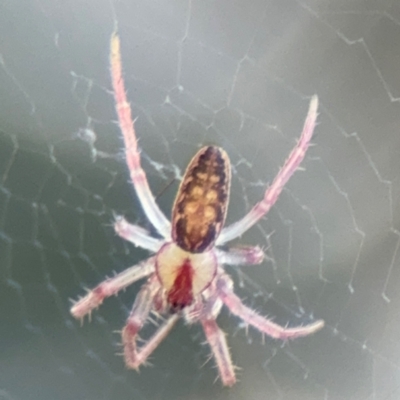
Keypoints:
pixel 184 275
pixel 201 203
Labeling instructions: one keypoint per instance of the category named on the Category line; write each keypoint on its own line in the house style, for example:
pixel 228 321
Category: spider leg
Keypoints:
pixel 272 193
pixel 111 286
pixel 138 176
pixel 137 318
pixel 249 255
pixel 136 235
pixel 219 347
pixel 264 325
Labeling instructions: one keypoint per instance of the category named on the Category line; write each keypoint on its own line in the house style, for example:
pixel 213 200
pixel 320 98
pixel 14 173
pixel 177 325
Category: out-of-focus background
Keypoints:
pixel 238 74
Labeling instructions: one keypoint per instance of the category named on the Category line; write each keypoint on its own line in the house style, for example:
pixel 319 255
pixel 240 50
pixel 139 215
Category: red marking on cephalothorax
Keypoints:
pixel 181 294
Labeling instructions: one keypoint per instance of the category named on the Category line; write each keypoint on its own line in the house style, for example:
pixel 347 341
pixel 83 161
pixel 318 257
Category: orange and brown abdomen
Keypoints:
pixel 200 206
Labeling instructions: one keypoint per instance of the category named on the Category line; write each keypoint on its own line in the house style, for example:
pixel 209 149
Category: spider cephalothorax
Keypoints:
pixel 186 276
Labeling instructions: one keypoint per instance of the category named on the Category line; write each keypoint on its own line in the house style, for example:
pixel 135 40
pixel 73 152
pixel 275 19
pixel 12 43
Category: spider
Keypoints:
pixel 185 275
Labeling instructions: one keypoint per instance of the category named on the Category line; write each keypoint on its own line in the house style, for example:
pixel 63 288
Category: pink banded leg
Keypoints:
pixel 264 325
pixel 133 358
pixel 112 286
pixel 216 339
pixel 137 318
pixel 136 235
pixel 272 193
pixel 138 176
pixel 241 255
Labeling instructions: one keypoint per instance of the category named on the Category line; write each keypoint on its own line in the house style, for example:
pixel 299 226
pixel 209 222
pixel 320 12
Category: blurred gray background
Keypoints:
pixel 238 74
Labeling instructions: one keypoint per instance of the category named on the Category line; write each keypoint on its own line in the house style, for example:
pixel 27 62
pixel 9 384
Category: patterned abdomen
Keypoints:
pixel 201 203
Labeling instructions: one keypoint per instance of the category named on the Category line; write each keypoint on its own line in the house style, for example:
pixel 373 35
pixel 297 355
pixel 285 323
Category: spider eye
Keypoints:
pixel 201 203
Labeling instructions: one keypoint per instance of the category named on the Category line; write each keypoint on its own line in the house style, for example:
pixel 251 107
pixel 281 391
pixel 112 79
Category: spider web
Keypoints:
pixel 233 73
